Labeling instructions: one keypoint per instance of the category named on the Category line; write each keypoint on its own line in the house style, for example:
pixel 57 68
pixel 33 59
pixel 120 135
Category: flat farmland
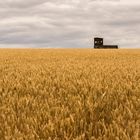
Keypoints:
pixel 69 94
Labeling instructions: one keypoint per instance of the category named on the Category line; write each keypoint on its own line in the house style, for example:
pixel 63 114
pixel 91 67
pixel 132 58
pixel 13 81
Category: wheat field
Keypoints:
pixel 69 94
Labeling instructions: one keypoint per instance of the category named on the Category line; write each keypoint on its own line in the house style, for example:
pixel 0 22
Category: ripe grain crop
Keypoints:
pixel 69 94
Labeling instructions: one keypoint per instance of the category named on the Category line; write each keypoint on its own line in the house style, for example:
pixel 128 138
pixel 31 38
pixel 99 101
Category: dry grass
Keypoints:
pixel 69 94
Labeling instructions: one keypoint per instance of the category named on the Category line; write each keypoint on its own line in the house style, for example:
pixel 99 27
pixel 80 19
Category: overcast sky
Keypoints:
pixel 69 23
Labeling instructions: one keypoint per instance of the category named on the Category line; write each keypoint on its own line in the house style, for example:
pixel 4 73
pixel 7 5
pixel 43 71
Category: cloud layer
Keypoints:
pixel 69 23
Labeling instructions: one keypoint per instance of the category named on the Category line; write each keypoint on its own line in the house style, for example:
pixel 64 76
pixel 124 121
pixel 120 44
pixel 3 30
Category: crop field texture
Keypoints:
pixel 69 94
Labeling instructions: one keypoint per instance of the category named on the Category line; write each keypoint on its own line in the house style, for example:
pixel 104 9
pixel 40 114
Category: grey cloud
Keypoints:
pixel 20 3
pixel 74 23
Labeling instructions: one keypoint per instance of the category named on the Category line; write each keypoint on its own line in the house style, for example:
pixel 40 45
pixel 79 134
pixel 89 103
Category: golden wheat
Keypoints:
pixel 69 94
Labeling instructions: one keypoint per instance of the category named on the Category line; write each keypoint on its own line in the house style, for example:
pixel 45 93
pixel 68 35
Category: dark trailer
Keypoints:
pixel 99 44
